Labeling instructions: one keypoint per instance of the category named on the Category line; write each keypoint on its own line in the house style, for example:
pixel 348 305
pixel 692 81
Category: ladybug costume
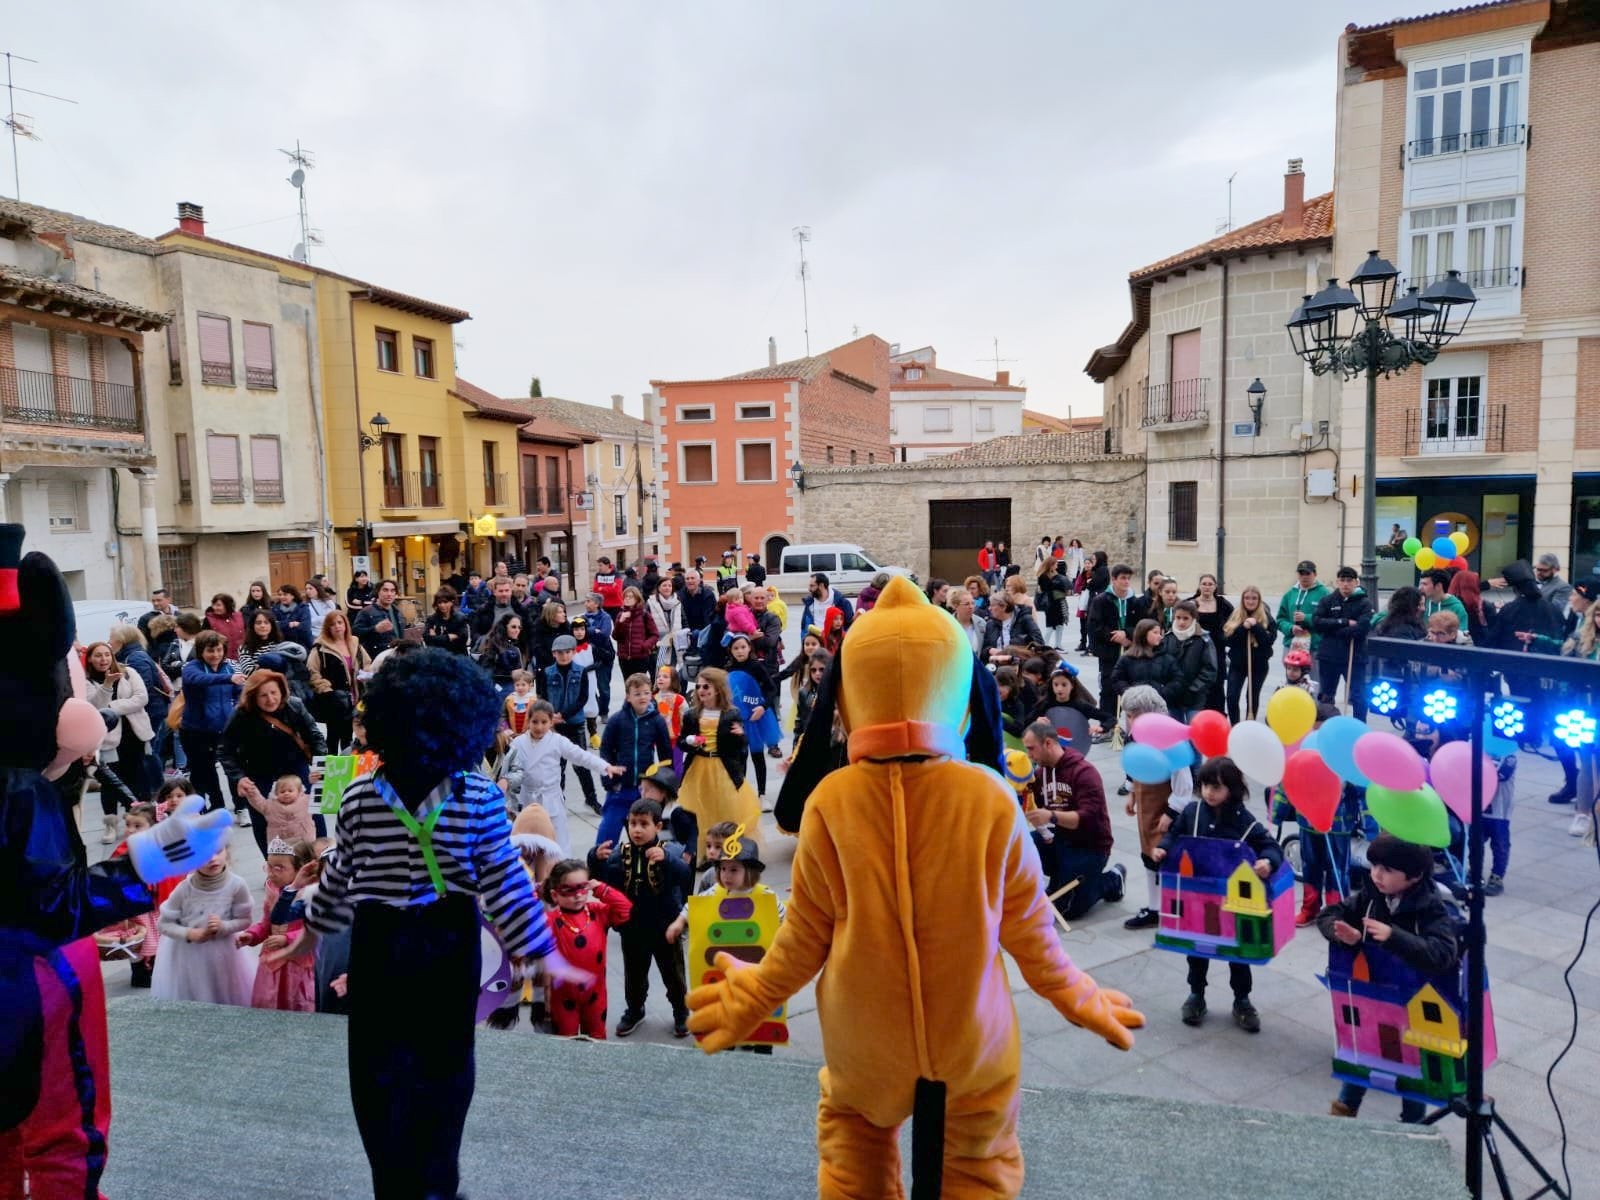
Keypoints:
pixel 581 938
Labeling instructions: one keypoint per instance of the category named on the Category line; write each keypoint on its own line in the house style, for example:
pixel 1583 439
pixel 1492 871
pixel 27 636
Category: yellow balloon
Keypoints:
pixel 1290 714
pixel 1425 559
pixel 1461 540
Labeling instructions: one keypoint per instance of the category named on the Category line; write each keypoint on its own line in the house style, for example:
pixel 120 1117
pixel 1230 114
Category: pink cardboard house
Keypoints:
pixel 1214 905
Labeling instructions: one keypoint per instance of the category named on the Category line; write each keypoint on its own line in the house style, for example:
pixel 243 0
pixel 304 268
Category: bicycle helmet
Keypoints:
pixel 1297 658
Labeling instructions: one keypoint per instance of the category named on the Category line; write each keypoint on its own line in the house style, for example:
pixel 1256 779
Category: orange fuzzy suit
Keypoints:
pixel 913 870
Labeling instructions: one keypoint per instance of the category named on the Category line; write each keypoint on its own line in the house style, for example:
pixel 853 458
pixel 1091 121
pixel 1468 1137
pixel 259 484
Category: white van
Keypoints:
pixel 96 617
pixel 846 565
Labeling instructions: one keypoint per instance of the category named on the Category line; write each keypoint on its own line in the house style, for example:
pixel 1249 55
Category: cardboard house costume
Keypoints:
pixel 1214 905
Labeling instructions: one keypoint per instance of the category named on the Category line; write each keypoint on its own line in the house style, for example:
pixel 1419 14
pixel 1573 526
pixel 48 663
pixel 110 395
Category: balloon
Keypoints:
pixel 1451 772
pixel 1425 559
pixel 1181 757
pixel 1417 816
pixel 1459 562
pixel 1312 789
pixel 1336 743
pixel 1257 751
pixel 1443 548
pixel 1461 541
pixel 1291 713
pixel 1309 742
pixel 1159 731
pixel 1144 763
pixel 1389 761
pixel 1209 732
pixel 1410 546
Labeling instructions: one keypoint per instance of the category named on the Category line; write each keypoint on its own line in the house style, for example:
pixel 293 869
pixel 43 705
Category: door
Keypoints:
pixel 957 530
pixel 772 552
pixel 428 472
pixel 856 570
pixel 1183 376
pixel 288 561
pixel 710 543
pixel 1389 1043
pixel 1213 920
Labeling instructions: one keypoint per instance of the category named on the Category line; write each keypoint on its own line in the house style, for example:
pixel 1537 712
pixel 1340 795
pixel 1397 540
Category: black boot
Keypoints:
pixel 139 973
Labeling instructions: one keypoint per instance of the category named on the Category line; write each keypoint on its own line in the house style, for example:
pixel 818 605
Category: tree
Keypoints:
pixel 534 390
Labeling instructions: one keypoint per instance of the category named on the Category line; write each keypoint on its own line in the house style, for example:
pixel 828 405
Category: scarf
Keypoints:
pixel 203 884
pixel 1183 635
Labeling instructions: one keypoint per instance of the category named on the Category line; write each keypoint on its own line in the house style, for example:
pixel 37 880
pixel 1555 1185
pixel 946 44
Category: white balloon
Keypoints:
pixel 1257 750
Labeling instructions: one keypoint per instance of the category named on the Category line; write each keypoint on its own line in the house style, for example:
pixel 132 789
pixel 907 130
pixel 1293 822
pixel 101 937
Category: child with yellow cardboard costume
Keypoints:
pixel 913 870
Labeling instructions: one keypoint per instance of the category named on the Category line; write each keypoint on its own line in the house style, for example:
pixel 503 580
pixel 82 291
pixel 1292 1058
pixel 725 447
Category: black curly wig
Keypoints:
pixel 428 714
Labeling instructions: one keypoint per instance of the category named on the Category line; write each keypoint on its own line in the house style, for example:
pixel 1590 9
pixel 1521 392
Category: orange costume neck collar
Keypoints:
pixel 901 739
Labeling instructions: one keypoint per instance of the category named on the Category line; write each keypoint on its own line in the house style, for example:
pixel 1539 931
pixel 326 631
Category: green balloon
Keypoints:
pixel 1411 546
pixel 1418 816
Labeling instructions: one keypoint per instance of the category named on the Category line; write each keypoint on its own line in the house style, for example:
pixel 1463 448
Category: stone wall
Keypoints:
pixel 884 509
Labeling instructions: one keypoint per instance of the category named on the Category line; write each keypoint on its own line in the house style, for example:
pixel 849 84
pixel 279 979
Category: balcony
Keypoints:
pixel 424 489
pixel 268 491
pixel 1478 281
pixel 1467 433
pixel 260 377
pixel 1181 403
pixel 218 374
pixel 555 500
pixel 1461 143
pixel 227 491
pixel 400 490
pixel 44 398
pixel 495 492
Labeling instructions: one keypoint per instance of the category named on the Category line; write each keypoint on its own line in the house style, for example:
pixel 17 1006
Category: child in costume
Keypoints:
pixel 1400 909
pixel 533 772
pixel 636 737
pixel 137 939
pixel 1220 813
pixel 198 959
pixel 653 876
pixel 580 911
pixel 671 704
pixel 716 838
pixel 805 697
pixel 1156 805
pixel 420 842
pixel 514 713
pixel 288 986
pixel 287 810
pixel 914 1006
pixel 714 786
pixel 755 694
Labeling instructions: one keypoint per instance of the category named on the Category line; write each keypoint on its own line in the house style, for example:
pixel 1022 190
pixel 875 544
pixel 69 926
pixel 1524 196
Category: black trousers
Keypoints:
pixel 1108 663
pixel 639 948
pixel 413 1003
pixel 1239 977
pixel 577 732
pixel 1236 685
pixel 758 767
pixel 201 750
pixel 1330 670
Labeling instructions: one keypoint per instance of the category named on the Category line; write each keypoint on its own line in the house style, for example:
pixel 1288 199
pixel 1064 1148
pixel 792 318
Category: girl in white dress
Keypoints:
pixel 198 959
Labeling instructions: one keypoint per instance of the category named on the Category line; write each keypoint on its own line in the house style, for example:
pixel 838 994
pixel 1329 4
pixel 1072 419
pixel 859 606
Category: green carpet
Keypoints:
pixel 237 1105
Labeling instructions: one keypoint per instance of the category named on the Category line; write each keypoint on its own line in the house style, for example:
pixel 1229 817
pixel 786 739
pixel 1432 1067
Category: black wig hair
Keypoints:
pixel 427 715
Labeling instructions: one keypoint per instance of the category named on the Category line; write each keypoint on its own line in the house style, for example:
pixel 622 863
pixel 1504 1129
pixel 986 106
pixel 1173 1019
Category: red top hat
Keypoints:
pixel 10 559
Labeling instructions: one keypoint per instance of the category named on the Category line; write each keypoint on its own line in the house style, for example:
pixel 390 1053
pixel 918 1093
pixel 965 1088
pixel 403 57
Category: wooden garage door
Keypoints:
pixel 957 530
pixel 711 544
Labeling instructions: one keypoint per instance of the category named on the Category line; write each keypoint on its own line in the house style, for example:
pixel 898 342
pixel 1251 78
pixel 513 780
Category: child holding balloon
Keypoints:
pixel 1326 812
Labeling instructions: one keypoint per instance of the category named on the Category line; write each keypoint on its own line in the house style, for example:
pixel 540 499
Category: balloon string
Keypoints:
pixel 1333 865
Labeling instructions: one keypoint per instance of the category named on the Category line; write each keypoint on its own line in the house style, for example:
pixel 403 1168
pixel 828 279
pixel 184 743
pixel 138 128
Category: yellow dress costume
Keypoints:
pixel 708 791
pixel 913 870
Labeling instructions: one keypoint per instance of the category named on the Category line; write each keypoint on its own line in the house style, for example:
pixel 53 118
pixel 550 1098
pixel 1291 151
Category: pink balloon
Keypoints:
pixel 1451 771
pixel 1389 761
pixel 1159 730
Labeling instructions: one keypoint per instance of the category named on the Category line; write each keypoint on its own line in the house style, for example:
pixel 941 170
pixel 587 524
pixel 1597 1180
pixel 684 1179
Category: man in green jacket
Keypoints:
pixel 1299 603
pixel 1436 597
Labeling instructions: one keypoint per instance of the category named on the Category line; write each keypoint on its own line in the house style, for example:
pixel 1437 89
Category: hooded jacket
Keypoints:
pixel 209 697
pixel 1528 613
pixel 1423 930
pixel 1302 602
pixel 1195 660
pixel 634 742
pixel 1332 622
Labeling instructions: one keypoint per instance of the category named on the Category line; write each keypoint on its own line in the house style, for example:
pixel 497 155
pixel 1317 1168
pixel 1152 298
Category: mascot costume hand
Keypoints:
pixel 914 869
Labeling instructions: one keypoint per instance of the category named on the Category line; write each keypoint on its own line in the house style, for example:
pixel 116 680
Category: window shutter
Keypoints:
pixel 215 344
pixel 258 364
pixel 266 461
pixel 222 456
pixel 31 347
pixel 697 464
pixel 758 462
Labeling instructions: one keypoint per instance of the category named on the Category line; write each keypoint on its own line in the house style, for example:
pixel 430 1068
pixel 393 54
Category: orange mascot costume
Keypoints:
pixel 913 870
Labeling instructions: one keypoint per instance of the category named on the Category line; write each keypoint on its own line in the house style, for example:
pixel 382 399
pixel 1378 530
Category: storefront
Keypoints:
pixel 1494 511
pixel 1585 549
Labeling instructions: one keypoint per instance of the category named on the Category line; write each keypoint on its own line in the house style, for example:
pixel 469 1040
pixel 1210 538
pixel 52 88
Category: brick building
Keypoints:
pixel 1437 168
pixel 727 445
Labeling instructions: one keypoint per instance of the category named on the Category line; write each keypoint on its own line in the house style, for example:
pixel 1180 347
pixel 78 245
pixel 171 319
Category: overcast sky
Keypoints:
pixel 610 189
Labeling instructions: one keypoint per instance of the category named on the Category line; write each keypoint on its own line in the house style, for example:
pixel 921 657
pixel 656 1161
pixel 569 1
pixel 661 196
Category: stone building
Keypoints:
pixel 933 516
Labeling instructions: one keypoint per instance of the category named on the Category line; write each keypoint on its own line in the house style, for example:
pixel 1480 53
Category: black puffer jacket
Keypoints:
pixel 1422 928
pixel 1159 671
pixel 1195 668
pixel 252 748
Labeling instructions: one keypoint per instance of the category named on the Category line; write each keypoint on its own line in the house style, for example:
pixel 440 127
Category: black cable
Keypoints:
pixel 1549 1076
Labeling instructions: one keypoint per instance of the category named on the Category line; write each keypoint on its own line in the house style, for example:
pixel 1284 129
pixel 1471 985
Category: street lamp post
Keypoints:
pixel 1364 330
pixel 366 441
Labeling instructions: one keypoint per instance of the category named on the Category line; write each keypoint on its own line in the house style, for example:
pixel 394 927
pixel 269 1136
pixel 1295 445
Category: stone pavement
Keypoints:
pixel 1534 930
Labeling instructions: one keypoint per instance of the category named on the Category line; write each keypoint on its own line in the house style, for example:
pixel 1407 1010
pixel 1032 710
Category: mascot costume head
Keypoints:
pixel 929 856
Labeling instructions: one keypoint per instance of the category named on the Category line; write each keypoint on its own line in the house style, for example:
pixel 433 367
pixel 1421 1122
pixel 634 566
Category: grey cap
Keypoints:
pixel 1549 560
pixel 565 642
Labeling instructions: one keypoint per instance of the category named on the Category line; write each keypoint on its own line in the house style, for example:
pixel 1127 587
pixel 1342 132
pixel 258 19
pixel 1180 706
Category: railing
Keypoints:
pixel 400 491
pixel 532 498
pixel 1464 432
pixel 1489 277
pixel 555 500
pixel 260 377
pixel 494 488
pixel 1176 402
pixel 268 491
pixel 44 398
pixel 227 491
pixel 1475 139
pixel 423 490
pixel 218 373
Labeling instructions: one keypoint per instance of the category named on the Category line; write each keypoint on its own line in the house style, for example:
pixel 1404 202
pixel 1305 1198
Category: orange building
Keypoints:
pixel 729 446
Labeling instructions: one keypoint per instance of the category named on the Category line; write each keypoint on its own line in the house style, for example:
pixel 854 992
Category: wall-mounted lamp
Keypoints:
pixel 379 423
pixel 1256 396
pixel 798 474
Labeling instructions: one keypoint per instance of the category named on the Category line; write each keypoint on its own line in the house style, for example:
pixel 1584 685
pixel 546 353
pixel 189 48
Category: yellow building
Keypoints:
pixel 409 464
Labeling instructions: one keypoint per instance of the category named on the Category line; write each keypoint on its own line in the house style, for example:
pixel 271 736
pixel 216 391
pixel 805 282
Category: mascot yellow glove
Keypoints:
pixel 727 1012
pixel 1097 1009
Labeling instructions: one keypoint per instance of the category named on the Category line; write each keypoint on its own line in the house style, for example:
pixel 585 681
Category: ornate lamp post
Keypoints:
pixel 1364 330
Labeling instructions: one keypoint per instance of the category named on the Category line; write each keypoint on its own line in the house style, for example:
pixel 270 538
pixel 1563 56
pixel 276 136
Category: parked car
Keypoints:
pixel 96 617
pixel 847 566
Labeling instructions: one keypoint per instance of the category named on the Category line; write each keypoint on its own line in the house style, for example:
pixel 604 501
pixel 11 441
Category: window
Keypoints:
pixel 616 454
pixel 1490 226
pixel 1350 1015
pixel 697 462
pixel 394 484
pixel 1433 242
pixel 985 421
pixel 619 515
pixel 1466 104
pixel 177 574
pixel 824 562
pixel 216 351
pixel 936 420
pixel 1246 891
pixel 554 501
pixel 1431 1012
pixel 755 412
pixel 1175 907
pixel 492 486
pixel 913 374
pixel 871 458
pixel 532 499
pixel 67 506
pixel 698 413
pixel 422 357
pixel 852 458
pixel 185 483
pixel 828 454
pixel 1452 414
pixel 174 356
pixel 755 462
pixel 266 468
pixel 388 350
pixel 796 564
pixel 1183 502
pixel 260 369
pixel 222 465
pixel 428 470
pixel 854 562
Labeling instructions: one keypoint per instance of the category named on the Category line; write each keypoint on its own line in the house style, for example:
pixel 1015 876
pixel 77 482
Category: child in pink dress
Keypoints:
pixel 289 986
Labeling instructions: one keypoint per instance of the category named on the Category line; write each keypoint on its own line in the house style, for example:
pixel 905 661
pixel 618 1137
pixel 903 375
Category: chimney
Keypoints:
pixel 772 352
pixel 616 402
pixel 649 399
pixel 1002 378
pixel 1294 197
pixel 191 218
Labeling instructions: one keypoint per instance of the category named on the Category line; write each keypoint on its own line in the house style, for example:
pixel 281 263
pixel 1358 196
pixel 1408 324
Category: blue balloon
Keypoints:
pixel 1336 742
pixel 1309 742
pixel 1145 764
pixel 1445 548
pixel 1181 756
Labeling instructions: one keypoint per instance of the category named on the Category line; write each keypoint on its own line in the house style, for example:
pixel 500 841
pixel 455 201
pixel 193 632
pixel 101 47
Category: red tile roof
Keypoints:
pixel 525 412
pixel 1448 12
pixel 45 294
pixel 938 377
pixel 1265 234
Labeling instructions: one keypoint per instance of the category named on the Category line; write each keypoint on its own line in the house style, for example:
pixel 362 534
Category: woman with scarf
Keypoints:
pixel 667 613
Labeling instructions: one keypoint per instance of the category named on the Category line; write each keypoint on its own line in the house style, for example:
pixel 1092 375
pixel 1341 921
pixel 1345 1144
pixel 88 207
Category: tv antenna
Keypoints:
pixel 309 237
pixel 1227 225
pixel 997 360
pixel 802 235
pixel 21 124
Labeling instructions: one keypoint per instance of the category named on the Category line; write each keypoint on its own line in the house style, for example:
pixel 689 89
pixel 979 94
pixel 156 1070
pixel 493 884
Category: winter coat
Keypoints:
pixel 1106 618
pixel 658 890
pixel 1054 589
pixel 634 742
pixel 500 662
pixel 1024 631
pixel 365 627
pixel 126 697
pixel 231 628
pixel 1259 642
pixel 1159 671
pixel 732 748
pixel 668 618
pixel 636 636
pixel 1423 930
pixel 566 688
pixel 1232 822
pixel 295 623
pixel 814 613
pixel 698 608
pixel 1528 613
pixel 331 676
pixel 158 696
pixel 1196 668
pixel 1342 621
pixel 452 633
pixel 609 586
pixel 253 749
pixel 603 637
pixel 541 640
pixel 1302 602
pixel 486 617
pixel 209 697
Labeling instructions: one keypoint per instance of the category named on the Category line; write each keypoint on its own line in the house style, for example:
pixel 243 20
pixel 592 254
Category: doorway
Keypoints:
pixel 957 530
pixel 711 544
pixel 288 561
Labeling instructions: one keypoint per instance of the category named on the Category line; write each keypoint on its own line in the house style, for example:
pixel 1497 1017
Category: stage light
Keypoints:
pixel 1510 719
pixel 1440 706
pixel 1384 697
pixel 1575 727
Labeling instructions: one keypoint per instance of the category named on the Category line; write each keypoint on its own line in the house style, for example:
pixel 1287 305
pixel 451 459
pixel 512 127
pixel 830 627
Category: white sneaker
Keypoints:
pixel 1579 826
pixel 241 818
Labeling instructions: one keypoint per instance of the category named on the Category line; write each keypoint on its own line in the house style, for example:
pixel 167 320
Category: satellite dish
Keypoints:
pixel 299 252
pixel 298 178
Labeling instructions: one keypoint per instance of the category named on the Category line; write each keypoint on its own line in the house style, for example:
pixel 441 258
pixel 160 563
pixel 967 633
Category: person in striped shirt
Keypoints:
pixel 422 842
